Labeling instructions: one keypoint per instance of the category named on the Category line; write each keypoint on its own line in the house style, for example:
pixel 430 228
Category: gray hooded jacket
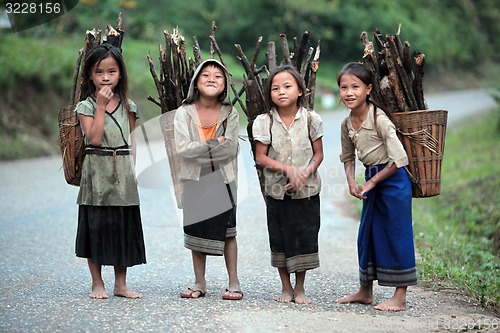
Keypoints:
pixel 193 151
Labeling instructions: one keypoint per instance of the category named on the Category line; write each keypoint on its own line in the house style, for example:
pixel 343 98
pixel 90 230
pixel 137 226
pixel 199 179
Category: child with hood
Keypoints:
pixel 206 129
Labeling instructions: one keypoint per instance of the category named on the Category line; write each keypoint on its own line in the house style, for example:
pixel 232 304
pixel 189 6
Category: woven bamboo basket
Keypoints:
pixel 72 145
pixel 423 133
pixel 167 127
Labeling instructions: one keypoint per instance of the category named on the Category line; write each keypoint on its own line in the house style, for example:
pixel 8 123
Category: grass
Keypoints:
pixel 457 233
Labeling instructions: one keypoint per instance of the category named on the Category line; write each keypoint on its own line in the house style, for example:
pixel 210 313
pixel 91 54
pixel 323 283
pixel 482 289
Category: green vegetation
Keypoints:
pixel 452 33
pixel 457 233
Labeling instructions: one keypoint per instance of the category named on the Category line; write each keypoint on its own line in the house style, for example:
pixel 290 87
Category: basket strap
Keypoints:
pixel 414 180
pixel 423 138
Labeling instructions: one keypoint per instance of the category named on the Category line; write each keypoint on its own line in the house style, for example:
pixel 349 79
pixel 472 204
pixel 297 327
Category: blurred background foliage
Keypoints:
pixel 453 33
pixel 459 38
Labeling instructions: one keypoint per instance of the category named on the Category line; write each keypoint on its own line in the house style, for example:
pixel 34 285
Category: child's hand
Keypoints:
pixel 104 96
pixel 297 179
pixel 357 191
pixel 362 189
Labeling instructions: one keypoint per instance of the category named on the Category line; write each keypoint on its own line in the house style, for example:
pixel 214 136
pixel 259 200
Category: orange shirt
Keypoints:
pixel 207 133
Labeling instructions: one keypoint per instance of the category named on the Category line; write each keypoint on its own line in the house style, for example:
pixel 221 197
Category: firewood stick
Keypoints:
pixel 176 68
pixel 157 83
pixel 407 63
pixel 164 78
pixel 271 56
pixel 397 41
pixel 167 64
pixel 401 72
pixel 185 79
pixel 192 67
pixel 76 73
pixel 214 44
pixel 253 60
pixel 312 77
pixel 379 41
pixel 285 49
pixel 248 69
pixel 113 37
pixel 254 101
pixel 150 98
pixel 293 56
pixel 418 82
pixel 212 34
pixel 92 38
pixel 233 87
pixel 167 92
pixel 302 50
pixel 370 61
pixel 238 96
pixel 386 95
pixel 197 52
pixel 305 65
pixel 394 79
pixel 119 22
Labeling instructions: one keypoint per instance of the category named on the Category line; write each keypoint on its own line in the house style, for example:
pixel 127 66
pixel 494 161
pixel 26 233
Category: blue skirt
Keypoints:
pixel 385 239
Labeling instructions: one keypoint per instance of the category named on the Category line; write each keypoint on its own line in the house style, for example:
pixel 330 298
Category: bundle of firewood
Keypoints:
pixel 304 58
pixel 176 69
pixel 397 72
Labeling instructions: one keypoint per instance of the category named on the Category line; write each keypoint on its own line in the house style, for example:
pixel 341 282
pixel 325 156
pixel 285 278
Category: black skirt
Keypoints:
pixel 293 228
pixel 110 235
pixel 209 212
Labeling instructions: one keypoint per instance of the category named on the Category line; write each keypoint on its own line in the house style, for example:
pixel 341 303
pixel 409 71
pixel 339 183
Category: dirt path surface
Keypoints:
pixel 44 287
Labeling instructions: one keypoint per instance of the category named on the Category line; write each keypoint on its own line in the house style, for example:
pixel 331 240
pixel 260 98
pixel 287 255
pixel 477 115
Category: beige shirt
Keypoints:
pixel 195 152
pixel 373 145
pixel 291 146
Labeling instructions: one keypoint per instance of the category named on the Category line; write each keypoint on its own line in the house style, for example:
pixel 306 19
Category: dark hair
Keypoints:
pixel 95 56
pixel 223 94
pixel 358 70
pixel 361 72
pixel 301 101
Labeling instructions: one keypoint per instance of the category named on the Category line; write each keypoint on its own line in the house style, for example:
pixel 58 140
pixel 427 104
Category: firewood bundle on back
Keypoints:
pixel 177 69
pixel 397 72
pixel 304 58
pixel 70 132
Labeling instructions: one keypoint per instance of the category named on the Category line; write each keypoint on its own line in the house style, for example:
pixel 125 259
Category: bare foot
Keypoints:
pixel 391 305
pixel 125 292
pixel 98 293
pixel 359 297
pixel 285 297
pixel 301 298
